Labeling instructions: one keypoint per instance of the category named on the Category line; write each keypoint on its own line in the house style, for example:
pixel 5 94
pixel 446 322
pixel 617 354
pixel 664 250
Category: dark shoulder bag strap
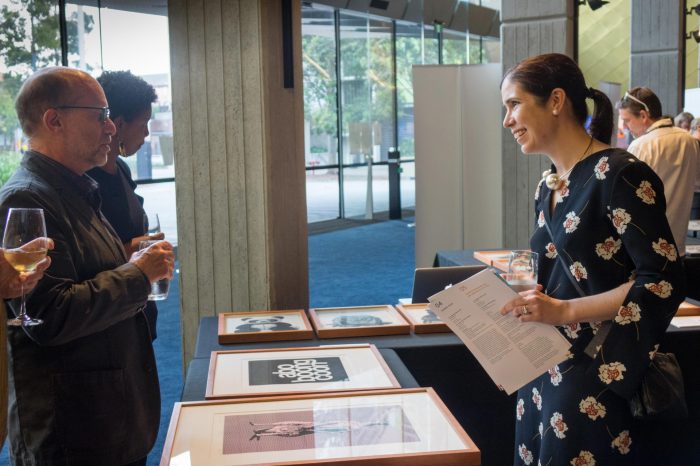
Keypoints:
pixel 602 333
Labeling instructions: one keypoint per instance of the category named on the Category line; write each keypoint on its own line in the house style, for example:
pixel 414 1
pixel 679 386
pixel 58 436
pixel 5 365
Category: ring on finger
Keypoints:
pixel 524 310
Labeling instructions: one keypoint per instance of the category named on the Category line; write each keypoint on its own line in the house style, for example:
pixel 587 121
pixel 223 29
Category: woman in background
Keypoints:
pixel 606 254
pixel 129 98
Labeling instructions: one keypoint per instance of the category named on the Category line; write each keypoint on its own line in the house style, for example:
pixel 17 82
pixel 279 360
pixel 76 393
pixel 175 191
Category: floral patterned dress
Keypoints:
pixel 609 227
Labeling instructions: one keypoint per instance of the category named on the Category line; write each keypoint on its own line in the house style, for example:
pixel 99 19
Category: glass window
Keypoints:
pixel 355 88
pixel 320 113
pixel 408 185
pixel 355 190
pixel 30 40
pixel 491 50
pixel 84 35
pixel 409 52
pixel 431 46
pixel 381 86
pixel 455 47
pixel 99 43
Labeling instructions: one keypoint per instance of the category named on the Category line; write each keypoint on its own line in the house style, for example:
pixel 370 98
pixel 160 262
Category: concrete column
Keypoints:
pixel 239 160
pixel 528 27
pixel 656 50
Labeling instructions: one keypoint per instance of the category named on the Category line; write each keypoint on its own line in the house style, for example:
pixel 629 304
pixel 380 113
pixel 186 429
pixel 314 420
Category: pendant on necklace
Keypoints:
pixel 552 180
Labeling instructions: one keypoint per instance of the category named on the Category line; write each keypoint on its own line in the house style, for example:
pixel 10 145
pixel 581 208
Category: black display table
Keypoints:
pixel 441 361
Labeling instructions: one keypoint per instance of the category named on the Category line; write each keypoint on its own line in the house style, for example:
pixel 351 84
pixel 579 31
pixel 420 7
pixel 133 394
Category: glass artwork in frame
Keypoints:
pixel 381 427
pixel 422 318
pixel 278 371
pixel 339 322
pixel 261 326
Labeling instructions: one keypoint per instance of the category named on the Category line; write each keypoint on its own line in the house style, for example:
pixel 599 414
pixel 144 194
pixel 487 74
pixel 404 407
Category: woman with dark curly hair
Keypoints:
pixel 607 263
pixel 129 98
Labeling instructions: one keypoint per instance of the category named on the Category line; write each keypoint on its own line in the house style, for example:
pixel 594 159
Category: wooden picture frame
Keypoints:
pixel 381 427
pixel 688 309
pixel 497 259
pixel 422 319
pixel 359 321
pixel 261 326
pixel 280 371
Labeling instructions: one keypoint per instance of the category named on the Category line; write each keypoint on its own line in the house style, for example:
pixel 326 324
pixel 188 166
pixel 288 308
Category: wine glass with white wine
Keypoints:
pixel 24 246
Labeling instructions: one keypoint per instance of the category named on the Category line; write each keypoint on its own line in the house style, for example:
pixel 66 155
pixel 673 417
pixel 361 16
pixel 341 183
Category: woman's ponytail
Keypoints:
pixel 601 126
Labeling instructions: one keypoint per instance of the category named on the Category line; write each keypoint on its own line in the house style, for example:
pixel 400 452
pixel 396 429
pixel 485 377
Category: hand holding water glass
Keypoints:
pixel 25 246
pixel 157 260
pixel 522 270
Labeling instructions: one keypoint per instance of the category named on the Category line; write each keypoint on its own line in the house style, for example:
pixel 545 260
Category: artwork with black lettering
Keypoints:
pixel 294 371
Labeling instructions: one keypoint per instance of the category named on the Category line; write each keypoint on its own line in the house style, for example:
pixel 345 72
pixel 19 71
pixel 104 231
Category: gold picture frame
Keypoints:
pixel 358 321
pixel 284 371
pixel 262 326
pixel 381 427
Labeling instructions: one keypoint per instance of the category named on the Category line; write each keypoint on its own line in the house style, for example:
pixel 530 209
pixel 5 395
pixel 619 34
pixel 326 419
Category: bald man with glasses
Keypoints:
pixel 83 386
pixel 670 151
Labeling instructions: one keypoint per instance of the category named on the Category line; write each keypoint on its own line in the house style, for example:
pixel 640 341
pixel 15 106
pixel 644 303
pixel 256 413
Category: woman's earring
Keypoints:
pixel 555 113
pixel 122 150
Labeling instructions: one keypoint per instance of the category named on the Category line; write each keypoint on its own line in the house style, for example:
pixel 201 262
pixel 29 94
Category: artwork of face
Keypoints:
pixel 357 320
pixel 260 324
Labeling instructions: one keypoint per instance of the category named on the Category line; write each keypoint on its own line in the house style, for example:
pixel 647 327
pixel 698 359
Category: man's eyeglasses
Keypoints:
pixel 104 111
pixel 633 98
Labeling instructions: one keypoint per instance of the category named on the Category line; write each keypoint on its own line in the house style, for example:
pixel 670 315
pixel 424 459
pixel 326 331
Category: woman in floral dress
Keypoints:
pixel 610 239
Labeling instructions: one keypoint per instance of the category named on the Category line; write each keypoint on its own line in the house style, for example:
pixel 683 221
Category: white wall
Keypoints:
pixel 458 158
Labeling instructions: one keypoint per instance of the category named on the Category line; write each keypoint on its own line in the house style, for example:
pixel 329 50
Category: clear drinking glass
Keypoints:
pixel 159 288
pixel 152 223
pixel 522 270
pixel 25 245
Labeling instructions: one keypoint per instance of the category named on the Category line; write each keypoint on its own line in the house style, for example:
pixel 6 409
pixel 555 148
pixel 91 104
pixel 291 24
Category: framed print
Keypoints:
pixel 339 322
pixel 248 327
pixel 384 428
pixel 297 370
pixel 422 318
pixel 497 259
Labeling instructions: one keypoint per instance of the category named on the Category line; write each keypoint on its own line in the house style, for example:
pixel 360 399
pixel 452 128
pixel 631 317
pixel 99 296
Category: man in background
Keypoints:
pixel 695 128
pixel 683 120
pixel 670 151
pixel 83 386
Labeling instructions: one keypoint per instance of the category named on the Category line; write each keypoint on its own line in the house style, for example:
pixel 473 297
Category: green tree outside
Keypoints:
pixel 29 40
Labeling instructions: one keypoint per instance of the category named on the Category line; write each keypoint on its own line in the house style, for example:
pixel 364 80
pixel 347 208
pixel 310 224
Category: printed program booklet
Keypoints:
pixel 513 353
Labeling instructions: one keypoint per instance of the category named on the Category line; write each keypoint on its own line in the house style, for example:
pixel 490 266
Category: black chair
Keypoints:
pixel 430 280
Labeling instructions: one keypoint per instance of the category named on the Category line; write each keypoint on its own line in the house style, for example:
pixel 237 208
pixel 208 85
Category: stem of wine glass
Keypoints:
pixel 22 305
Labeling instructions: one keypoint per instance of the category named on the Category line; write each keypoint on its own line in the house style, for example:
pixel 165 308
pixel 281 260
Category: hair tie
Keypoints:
pixel 590 93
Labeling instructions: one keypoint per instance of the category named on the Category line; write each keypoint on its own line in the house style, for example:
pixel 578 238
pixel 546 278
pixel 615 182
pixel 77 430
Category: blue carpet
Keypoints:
pixel 362 266
pixel 366 265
